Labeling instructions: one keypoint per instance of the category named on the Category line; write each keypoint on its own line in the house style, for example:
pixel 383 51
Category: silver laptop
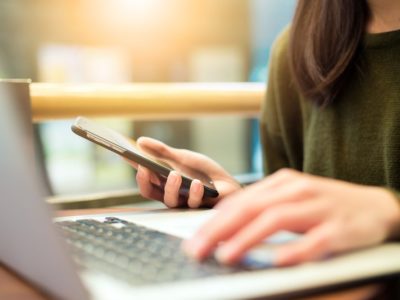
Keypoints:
pixel 137 255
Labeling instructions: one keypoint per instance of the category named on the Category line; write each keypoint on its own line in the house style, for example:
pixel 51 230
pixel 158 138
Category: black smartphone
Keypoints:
pixel 126 147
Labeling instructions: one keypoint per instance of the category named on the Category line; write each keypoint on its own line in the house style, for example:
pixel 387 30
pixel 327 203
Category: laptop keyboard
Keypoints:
pixel 134 253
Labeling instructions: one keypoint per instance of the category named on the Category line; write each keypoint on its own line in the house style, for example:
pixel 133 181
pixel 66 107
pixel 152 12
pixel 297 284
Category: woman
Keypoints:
pixel 331 136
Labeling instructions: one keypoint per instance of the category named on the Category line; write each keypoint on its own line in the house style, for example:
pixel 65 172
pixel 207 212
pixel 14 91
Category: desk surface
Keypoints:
pixel 14 288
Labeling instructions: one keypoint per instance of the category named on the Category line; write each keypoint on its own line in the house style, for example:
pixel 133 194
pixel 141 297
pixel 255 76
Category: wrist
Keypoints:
pixel 393 213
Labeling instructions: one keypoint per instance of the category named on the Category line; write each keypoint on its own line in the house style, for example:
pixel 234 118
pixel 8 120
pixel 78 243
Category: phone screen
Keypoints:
pixel 116 141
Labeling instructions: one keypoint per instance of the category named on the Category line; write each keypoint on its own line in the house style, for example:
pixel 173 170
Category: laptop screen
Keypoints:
pixel 30 245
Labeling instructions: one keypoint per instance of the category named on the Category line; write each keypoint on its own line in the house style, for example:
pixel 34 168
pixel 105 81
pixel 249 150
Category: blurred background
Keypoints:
pixel 136 41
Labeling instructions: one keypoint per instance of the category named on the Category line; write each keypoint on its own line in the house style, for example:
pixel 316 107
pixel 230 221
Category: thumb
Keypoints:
pixel 156 148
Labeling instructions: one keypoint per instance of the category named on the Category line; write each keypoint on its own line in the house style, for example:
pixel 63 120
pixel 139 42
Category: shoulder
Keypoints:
pixel 282 101
pixel 281 43
pixel 280 52
pixel 280 78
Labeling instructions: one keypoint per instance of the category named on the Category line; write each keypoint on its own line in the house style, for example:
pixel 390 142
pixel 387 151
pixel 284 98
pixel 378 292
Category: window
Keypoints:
pixel 166 41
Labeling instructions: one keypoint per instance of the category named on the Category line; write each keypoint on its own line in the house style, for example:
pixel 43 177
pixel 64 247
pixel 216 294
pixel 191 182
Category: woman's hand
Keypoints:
pixel 182 161
pixel 334 216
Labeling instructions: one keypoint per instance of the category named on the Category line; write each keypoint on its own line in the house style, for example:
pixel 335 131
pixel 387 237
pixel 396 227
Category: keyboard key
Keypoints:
pixel 134 253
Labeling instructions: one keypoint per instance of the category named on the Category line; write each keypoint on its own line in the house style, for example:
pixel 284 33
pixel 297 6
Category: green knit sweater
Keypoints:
pixel 357 137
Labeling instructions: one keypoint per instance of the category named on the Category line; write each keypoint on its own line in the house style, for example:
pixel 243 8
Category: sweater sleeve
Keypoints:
pixel 281 116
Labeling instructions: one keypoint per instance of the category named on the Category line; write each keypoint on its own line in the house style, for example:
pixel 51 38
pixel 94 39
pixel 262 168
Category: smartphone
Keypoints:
pixel 126 147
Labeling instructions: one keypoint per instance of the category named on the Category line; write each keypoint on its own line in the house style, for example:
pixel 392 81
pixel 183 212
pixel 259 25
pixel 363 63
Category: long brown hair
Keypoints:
pixel 324 43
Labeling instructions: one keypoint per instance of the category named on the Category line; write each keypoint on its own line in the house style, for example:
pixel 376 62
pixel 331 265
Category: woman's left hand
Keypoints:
pixel 335 216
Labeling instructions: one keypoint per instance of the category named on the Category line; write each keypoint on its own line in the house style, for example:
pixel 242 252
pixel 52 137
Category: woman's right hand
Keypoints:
pixel 184 161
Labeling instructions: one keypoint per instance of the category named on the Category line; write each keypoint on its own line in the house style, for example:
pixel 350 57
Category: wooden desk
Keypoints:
pixel 14 288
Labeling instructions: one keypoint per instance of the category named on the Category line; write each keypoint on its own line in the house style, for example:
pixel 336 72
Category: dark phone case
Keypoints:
pixel 158 169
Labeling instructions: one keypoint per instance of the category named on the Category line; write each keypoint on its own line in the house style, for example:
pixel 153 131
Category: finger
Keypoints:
pixel 275 180
pixel 156 148
pixel 132 163
pixel 147 189
pixel 315 245
pixel 289 217
pixel 195 194
pixel 202 243
pixel 254 199
pixel 171 189
pixel 282 177
pixel 248 204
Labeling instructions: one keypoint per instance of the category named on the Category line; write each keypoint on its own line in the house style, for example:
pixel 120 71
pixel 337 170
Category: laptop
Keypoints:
pixel 137 255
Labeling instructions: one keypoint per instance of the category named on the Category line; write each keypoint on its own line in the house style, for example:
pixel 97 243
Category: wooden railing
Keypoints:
pixel 145 101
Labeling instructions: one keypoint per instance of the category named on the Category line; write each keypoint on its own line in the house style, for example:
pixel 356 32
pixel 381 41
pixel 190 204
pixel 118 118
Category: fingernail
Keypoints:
pixel 173 177
pixel 193 247
pixel 196 185
pixel 140 171
pixel 224 254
